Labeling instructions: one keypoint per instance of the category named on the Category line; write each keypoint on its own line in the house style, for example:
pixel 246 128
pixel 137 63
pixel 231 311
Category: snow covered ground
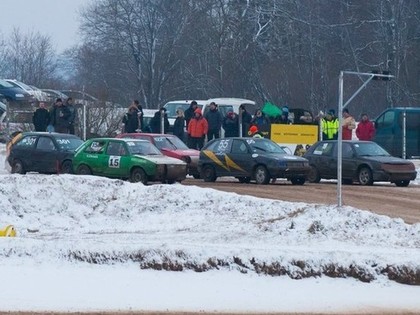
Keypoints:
pixel 86 243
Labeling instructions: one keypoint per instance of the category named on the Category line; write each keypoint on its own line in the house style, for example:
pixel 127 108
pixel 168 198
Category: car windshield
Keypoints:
pixel 68 144
pixel 265 145
pixel 5 84
pixel 370 149
pixel 171 143
pixel 142 148
pixel 172 107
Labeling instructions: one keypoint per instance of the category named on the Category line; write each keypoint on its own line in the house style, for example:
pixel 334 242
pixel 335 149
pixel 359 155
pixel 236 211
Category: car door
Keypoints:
pixel 322 158
pixel 349 163
pixel 220 150
pixel 118 159
pixel 94 156
pixel 239 160
pixel 45 155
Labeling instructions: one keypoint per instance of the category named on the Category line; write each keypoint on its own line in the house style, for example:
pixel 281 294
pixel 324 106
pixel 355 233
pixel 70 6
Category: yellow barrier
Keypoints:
pixel 8 231
pixel 297 138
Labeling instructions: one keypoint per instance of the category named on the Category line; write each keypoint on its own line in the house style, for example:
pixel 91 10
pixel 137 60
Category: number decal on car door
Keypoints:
pixel 114 161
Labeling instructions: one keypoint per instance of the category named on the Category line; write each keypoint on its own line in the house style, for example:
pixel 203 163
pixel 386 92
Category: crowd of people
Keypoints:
pixel 60 118
pixel 200 127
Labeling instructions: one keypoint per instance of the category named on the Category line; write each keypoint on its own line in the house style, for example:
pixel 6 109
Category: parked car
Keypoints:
pixel 363 161
pixel 249 159
pixel 54 94
pixel 137 160
pixel 12 93
pixel 36 93
pixel 172 146
pixel 42 152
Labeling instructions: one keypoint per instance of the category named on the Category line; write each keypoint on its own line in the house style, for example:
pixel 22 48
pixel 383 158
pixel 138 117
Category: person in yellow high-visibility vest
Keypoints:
pixel 330 125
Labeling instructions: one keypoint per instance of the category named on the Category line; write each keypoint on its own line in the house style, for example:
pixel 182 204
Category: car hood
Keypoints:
pixel 189 152
pixel 160 159
pixel 386 159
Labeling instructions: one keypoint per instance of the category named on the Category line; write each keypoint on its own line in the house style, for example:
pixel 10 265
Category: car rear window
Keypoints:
pixel 28 141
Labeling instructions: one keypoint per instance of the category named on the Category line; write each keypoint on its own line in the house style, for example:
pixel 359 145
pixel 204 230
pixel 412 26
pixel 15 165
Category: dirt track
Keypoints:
pixel 387 199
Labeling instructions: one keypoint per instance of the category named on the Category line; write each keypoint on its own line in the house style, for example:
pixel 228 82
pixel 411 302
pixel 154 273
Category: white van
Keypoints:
pixel 226 104
pixel 172 106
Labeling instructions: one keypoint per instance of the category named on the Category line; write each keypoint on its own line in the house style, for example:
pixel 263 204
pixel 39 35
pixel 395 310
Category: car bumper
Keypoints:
pixel 383 176
pixel 171 172
pixel 289 172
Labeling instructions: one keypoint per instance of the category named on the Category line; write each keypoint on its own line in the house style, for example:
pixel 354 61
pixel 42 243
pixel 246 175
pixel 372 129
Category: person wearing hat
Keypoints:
pixel 214 119
pixel 254 133
pixel 189 112
pixel 197 130
pixel 348 124
pixel 130 120
pixel 59 116
pixel 330 125
pixel 231 124
pixel 156 121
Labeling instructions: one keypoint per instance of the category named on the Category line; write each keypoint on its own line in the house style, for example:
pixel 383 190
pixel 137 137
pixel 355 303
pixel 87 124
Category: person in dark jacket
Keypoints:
pixel 179 124
pixel 246 120
pixel 155 122
pixel 60 115
pixel 72 117
pixel 130 120
pixel 214 120
pixel 41 118
pixel 231 124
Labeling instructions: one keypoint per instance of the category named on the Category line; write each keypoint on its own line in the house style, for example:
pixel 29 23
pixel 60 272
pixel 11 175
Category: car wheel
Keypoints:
pixel 313 175
pixel 67 167
pixel 138 175
pixel 402 183
pixel 84 170
pixel 365 176
pixel 261 175
pixel 17 167
pixel 298 180
pixel 209 174
pixel 244 180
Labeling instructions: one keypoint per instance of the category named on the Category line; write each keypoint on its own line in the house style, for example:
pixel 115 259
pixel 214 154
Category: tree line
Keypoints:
pixel 288 52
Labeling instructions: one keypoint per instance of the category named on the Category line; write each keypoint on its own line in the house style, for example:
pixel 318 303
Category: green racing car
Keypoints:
pixel 136 160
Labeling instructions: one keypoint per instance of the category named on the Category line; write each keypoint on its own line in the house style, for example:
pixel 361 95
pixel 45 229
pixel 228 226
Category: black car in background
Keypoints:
pixel 365 162
pixel 249 159
pixel 42 152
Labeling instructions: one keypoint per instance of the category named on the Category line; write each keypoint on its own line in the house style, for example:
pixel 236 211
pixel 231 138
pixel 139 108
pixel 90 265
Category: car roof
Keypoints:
pixel 148 134
pixel 53 134
pixel 230 101
pixel 118 139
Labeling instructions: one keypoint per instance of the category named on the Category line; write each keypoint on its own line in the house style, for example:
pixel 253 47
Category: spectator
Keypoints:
pixel 329 125
pixel 231 124
pixel 214 119
pixel 189 112
pixel 179 124
pixel 284 116
pixel 41 118
pixel 365 130
pixel 262 123
pixel 156 122
pixel 73 112
pixel 130 120
pixel 348 124
pixel 246 119
pixel 139 113
pixel 59 116
pixel 197 130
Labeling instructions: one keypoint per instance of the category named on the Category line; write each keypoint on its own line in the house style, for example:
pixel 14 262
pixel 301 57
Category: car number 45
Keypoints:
pixel 114 161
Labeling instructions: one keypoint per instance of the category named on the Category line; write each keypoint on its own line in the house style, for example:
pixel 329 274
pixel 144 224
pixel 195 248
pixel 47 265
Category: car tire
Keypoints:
pixel 84 170
pixel 138 175
pixel 244 180
pixel 209 173
pixel 67 167
pixel 365 176
pixel 298 180
pixel 402 183
pixel 261 175
pixel 17 167
pixel 313 175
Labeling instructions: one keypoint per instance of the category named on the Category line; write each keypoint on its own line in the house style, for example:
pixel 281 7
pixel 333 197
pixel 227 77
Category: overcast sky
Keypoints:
pixel 57 18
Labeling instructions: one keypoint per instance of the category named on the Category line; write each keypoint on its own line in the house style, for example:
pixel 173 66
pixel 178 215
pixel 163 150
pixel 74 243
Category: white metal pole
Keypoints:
pixel 162 121
pixel 404 134
pixel 84 115
pixel 340 141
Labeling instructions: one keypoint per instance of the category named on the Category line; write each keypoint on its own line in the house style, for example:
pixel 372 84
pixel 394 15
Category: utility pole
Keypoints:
pixel 375 75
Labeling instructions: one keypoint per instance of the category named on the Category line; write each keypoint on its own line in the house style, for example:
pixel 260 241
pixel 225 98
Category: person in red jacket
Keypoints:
pixel 197 130
pixel 365 129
